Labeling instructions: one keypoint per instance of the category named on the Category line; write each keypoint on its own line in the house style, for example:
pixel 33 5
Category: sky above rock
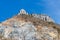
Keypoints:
pixel 9 8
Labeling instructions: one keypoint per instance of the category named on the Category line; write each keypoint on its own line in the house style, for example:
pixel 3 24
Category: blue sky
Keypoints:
pixel 9 8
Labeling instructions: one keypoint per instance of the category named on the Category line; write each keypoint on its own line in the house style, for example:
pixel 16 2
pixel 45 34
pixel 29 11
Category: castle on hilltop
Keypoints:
pixel 40 16
pixel 22 11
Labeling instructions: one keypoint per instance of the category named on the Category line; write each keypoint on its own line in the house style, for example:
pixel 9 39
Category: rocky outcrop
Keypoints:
pixel 28 27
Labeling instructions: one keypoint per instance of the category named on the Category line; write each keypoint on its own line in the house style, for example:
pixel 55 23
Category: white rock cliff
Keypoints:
pixel 29 27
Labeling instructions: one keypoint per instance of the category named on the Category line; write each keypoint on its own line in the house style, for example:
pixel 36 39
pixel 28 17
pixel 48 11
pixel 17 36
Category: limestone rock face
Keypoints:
pixel 28 27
